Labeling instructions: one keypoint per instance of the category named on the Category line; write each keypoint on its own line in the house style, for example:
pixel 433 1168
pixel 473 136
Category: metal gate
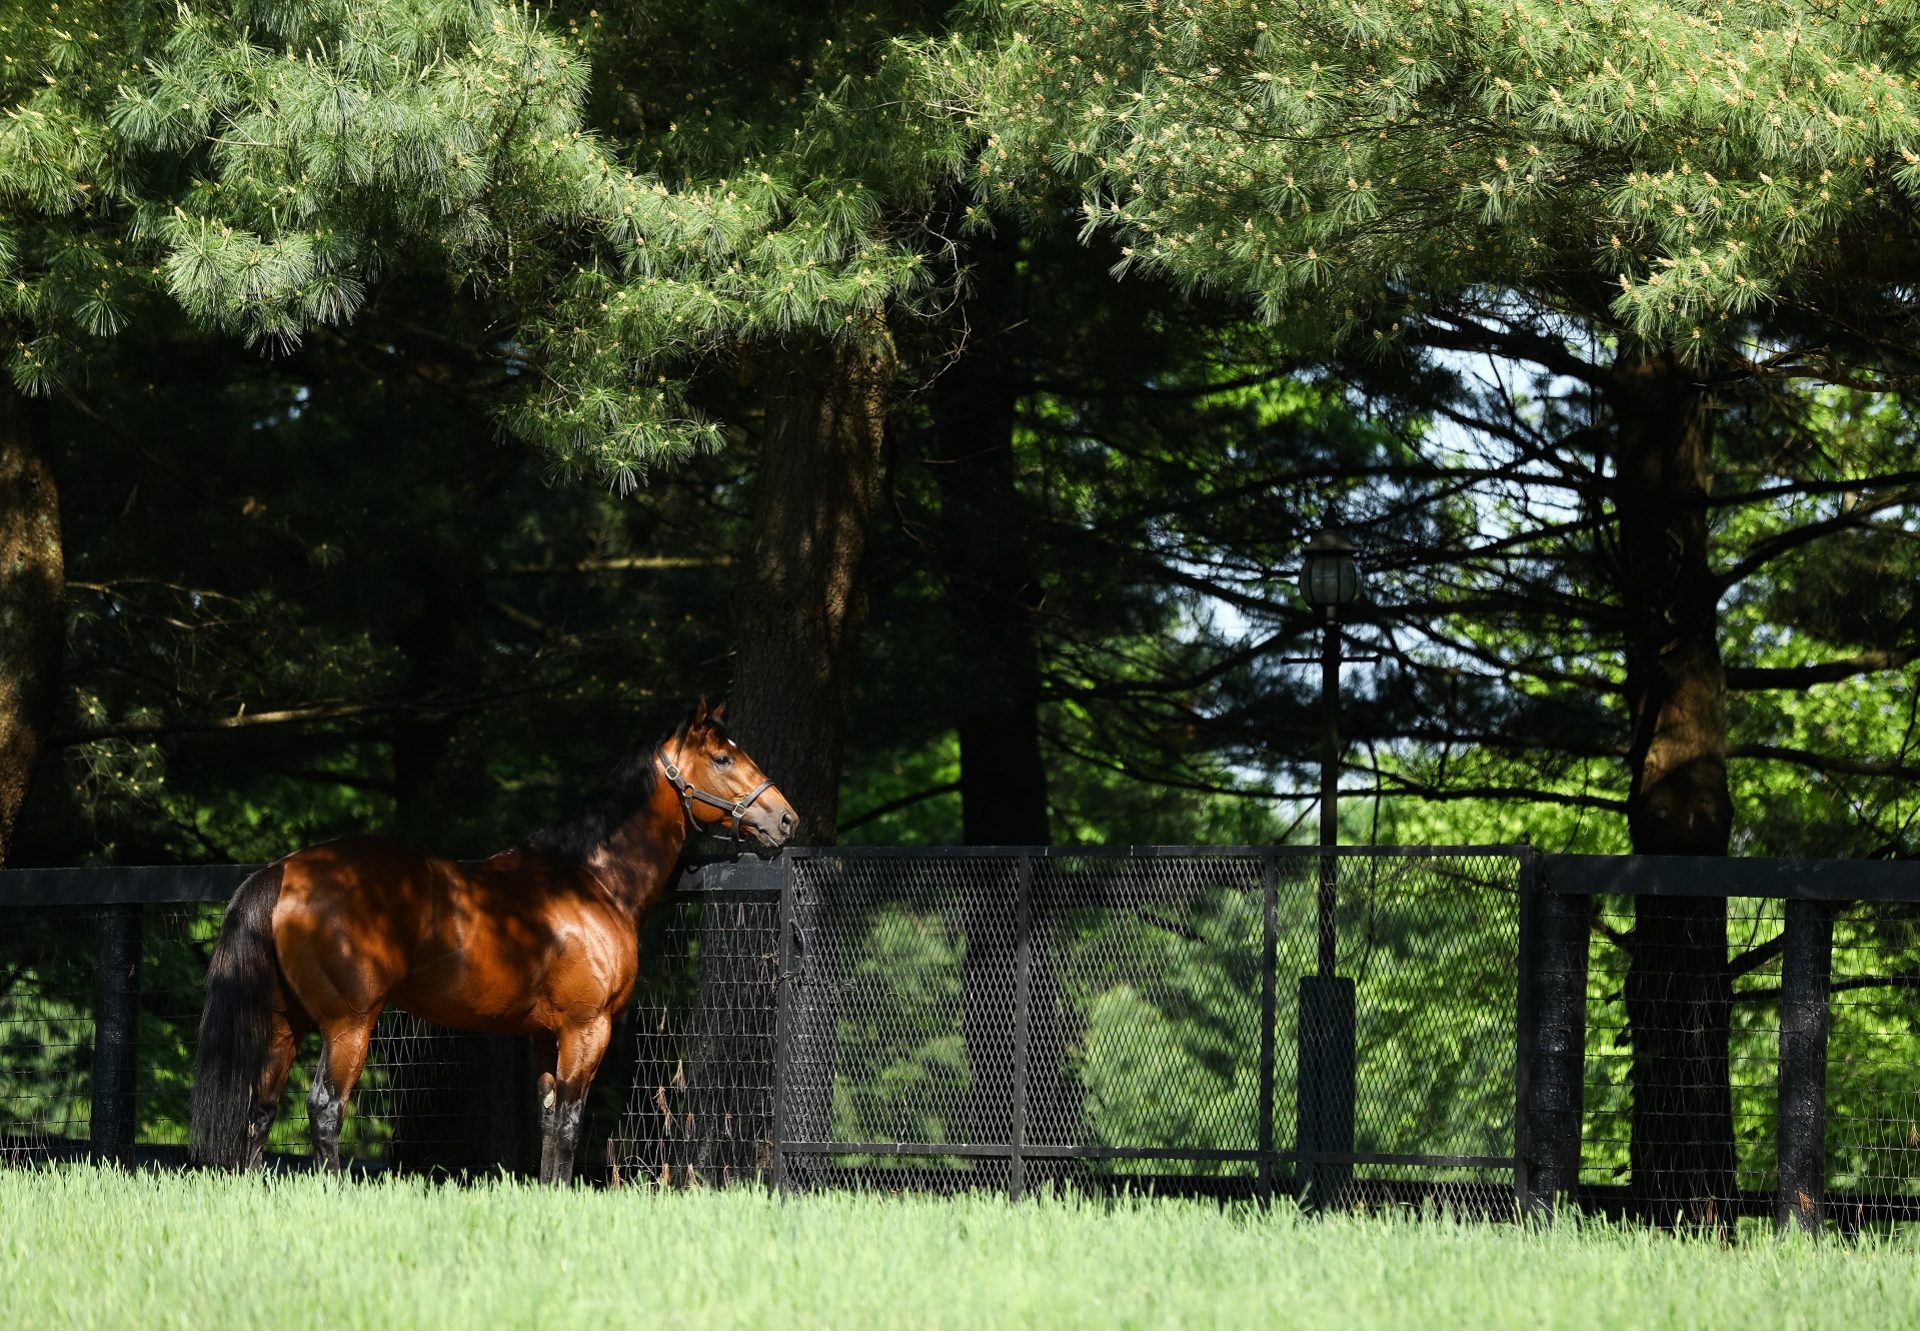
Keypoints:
pixel 1152 1018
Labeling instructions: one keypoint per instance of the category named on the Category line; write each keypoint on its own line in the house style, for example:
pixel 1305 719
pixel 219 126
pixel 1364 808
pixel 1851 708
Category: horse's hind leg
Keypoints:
pixel 283 1041
pixel 343 1052
pixel 563 1094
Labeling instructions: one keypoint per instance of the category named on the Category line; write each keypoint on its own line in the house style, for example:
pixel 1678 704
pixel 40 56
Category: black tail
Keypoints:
pixel 234 1025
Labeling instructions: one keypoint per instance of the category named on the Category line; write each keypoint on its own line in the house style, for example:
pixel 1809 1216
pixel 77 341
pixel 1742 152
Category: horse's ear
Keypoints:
pixel 719 714
pixel 694 720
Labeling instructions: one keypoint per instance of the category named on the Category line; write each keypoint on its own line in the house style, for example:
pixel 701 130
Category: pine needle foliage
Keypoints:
pixel 263 165
pixel 67 269
pixel 1673 167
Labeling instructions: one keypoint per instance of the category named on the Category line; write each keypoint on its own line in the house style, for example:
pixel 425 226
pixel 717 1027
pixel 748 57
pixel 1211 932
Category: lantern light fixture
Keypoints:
pixel 1329 572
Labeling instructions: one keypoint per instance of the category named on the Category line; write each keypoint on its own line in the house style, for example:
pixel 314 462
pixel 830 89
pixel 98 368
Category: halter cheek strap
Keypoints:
pixel 688 792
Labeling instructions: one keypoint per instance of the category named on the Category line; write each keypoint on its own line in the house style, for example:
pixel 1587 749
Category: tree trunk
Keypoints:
pixel 992 591
pixel 799 609
pixel 445 642
pixel 801 601
pixel 987 568
pixel 32 594
pixel 1678 989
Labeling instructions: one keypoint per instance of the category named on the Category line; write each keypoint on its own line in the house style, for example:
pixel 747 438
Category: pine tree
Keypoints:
pixel 793 112
pixel 1717 195
pixel 262 167
pixel 66 272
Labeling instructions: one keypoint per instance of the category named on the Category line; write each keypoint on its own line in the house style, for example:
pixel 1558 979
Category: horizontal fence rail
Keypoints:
pixel 139 885
pixel 1727 876
pixel 1689 1041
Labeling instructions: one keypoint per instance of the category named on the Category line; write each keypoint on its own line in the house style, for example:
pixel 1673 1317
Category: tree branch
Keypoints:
pixel 1620 938
pixel 1771 548
pixel 894 806
pixel 1460 333
pixel 245 720
pixel 626 564
pixel 1751 678
pixel 1755 957
pixel 1794 489
pixel 1824 762
pixel 1838 986
pixel 1404 785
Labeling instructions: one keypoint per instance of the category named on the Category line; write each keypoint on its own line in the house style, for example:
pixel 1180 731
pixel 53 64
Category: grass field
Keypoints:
pixel 82 1247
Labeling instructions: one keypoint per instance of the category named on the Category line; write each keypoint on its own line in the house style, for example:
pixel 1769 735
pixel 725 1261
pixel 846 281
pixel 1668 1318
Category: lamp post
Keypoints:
pixel 1330 581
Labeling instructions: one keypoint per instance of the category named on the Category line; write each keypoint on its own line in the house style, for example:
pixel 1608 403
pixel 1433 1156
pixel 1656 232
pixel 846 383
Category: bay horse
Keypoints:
pixel 541 940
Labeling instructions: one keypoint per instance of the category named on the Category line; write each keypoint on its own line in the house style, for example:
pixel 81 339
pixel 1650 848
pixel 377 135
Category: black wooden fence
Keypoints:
pixel 1817 982
pixel 1149 1018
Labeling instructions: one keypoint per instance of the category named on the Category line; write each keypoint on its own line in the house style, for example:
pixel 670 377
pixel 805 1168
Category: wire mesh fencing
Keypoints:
pixel 100 1009
pixel 46 1034
pixel 1689 1043
pixel 1135 1020
pixel 423 1101
pixel 947 1020
pixel 1683 1047
pixel 1726 1042
pixel 698 1046
pixel 1872 1138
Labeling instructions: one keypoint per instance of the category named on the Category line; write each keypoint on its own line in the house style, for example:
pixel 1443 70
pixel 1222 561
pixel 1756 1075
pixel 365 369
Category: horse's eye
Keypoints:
pixel 723 760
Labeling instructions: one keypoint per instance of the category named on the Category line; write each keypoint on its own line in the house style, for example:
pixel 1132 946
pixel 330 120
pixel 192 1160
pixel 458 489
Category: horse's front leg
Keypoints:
pixel 563 1093
pixel 546 1087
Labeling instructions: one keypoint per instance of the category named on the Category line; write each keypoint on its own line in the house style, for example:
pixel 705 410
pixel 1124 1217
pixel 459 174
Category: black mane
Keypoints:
pixel 628 787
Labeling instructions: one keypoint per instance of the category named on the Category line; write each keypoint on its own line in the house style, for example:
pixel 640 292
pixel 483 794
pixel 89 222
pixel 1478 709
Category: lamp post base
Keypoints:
pixel 1324 1097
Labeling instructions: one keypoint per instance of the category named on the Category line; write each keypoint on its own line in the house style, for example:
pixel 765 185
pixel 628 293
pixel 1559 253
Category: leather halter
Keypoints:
pixel 689 792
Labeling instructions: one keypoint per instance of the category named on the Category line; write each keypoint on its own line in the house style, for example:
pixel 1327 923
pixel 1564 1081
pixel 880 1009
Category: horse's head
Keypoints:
pixel 723 790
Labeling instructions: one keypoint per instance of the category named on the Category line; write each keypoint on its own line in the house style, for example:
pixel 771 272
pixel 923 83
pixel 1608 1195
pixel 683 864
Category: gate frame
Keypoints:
pixel 1018 1152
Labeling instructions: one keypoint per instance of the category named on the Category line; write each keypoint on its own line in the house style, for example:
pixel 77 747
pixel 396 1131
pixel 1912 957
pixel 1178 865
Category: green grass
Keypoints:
pixel 81 1247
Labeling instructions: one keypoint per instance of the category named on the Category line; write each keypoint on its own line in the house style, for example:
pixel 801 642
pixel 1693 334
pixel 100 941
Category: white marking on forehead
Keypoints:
pixel 732 745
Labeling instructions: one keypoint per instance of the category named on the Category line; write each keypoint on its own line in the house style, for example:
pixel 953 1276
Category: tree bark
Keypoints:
pixel 800 605
pixel 1678 989
pixel 800 602
pixel 987 568
pixel 32 596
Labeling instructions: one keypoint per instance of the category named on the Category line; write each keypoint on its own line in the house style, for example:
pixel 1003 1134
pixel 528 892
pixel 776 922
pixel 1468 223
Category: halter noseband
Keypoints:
pixel 689 792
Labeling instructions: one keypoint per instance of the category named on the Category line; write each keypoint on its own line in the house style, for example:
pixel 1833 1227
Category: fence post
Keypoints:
pixel 1523 1037
pixel 812 1054
pixel 783 1025
pixel 1269 982
pixel 1022 1024
pixel 1806 969
pixel 1324 1095
pixel 116 1032
pixel 1550 1069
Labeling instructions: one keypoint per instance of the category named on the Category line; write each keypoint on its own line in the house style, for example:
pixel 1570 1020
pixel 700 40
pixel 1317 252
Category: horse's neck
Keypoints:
pixel 638 857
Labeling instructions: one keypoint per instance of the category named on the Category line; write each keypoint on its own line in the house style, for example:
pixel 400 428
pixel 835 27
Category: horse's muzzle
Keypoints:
pixel 770 828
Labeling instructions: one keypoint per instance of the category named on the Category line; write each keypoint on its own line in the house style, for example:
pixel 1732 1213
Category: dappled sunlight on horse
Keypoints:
pixel 540 940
